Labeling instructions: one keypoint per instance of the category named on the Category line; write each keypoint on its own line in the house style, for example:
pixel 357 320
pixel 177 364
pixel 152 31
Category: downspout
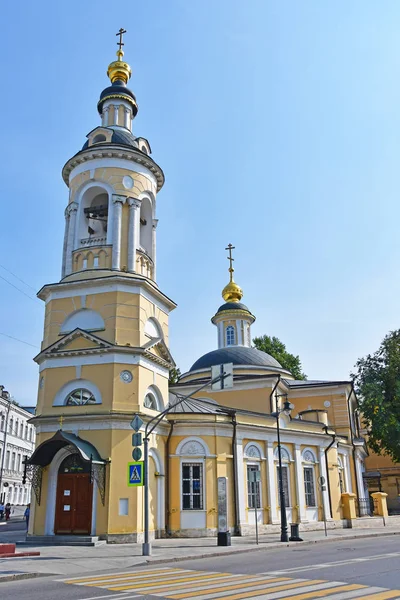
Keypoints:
pixel 333 435
pixel 272 407
pixel 167 481
pixel 235 481
pixel 352 443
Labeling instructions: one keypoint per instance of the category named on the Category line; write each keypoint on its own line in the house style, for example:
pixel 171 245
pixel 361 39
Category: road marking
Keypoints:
pixel 335 563
pixel 187 584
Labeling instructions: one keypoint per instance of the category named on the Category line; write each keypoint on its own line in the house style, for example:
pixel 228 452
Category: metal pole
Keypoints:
pixel 146 548
pixel 255 489
pixel 3 456
pixel 284 531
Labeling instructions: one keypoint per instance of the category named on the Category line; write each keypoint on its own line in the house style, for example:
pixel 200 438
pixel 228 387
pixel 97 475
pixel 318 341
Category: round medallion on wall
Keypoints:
pixel 126 376
pixel 327 404
pixel 127 182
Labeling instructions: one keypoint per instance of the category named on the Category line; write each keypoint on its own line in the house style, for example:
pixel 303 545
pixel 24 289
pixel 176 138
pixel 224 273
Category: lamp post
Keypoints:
pixel 287 408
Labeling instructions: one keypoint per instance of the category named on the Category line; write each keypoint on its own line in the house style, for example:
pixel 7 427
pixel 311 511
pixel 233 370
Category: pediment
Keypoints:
pixel 158 348
pixel 75 341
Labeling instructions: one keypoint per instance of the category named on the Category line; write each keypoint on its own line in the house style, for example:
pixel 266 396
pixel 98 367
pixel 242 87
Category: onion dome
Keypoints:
pixel 119 73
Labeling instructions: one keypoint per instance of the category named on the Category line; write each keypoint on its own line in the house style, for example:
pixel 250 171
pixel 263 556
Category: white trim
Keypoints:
pixel 284 459
pixel 160 520
pixel 240 483
pixel 259 448
pixel 95 286
pixel 271 488
pixel 251 517
pixel 202 462
pixel 156 392
pixel 323 472
pixel 114 163
pixel 299 478
pixel 194 439
pixel 103 359
pixel 62 394
pixel 313 454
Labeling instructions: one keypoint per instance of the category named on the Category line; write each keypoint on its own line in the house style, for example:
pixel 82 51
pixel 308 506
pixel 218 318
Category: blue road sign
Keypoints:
pixel 135 473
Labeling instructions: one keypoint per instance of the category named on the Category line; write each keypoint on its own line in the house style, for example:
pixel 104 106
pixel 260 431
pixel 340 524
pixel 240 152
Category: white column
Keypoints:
pixel 220 329
pixel 240 483
pixel 300 494
pixel 72 210
pixel 115 114
pixel 239 332
pixel 272 491
pixel 154 247
pixel 105 115
pixel 325 494
pixel 133 232
pixel 117 226
pixel 346 468
pixel 126 118
pixel 65 243
pixel 360 480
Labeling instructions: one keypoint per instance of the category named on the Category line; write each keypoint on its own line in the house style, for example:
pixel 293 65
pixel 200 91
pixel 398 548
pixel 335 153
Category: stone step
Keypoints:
pixel 6 549
pixel 62 540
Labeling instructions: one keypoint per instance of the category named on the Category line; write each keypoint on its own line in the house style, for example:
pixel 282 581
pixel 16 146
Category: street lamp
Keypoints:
pixel 4 395
pixel 287 408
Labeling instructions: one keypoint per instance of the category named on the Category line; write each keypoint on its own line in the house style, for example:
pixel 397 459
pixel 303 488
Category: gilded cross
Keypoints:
pixel 231 269
pixel 60 420
pixel 120 33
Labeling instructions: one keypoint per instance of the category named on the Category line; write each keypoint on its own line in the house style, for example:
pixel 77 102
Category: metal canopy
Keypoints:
pixel 44 454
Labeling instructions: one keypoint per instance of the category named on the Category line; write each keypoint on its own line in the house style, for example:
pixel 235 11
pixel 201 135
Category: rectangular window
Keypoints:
pixel 341 481
pixel 285 481
pixel 309 489
pixel 192 486
pixel 96 261
pixel 253 488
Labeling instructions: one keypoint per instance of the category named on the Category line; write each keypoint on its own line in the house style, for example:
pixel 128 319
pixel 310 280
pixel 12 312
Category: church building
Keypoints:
pixel 105 357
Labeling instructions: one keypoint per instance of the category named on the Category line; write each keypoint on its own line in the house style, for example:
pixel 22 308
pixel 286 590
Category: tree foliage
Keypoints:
pixel 377 382
pixel 277 349
pixel 174 375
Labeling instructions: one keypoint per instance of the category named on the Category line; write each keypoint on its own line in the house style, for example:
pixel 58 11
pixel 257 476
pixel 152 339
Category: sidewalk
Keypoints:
pixel 68 561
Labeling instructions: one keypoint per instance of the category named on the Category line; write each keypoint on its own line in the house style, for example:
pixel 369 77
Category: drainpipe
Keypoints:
pixel 235 481
pixel 333 435
pixel 271 405
pixel 167 480
pixel 352 443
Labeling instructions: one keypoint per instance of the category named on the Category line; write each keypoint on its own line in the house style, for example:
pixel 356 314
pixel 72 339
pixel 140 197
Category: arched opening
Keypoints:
pixel 230 336
pixel 83 318
pixel 146 226
pixel 74 497
pixel 99 138
pixel 93 217
pixel 152 328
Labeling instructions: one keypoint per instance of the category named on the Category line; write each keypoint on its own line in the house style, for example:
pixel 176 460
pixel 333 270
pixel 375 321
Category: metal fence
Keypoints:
pixel 365 507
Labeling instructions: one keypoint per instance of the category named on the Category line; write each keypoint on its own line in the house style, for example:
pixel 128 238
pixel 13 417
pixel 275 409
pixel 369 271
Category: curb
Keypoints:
pixel 265 546
pixel 18 576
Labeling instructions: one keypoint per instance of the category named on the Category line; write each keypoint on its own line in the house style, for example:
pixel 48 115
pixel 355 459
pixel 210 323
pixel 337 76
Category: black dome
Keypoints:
pixel 122 137
pixel 238 355
pixel 118 88
pixel 232 306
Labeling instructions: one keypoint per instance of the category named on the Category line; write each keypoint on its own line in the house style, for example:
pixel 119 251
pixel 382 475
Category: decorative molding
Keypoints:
pixel 253 450
pixel 118 198
pixel 193 446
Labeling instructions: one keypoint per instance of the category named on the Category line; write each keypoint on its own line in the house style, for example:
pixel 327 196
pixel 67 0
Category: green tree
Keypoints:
pixel 174 375
pixel 277 349
pixel 377 383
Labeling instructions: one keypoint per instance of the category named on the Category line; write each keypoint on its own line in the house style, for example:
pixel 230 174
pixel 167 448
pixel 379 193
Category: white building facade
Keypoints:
pixel 17 442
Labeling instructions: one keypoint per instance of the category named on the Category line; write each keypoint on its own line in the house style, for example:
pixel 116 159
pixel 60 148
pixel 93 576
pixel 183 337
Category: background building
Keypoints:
pixel 17 441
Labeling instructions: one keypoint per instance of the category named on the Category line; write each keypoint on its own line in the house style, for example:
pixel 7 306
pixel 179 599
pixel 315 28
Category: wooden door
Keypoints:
pixel 74 504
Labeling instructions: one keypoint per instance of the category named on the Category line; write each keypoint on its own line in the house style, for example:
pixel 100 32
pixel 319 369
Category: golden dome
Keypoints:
pixel 119 70
pixel 232 292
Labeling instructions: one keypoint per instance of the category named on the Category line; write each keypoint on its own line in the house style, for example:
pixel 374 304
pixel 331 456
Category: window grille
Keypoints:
pixel 192 486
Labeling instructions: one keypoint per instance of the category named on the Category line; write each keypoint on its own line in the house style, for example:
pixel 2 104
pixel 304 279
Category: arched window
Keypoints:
pixel 150 401
pixel 230 335
pixel 11 426
pixel 80 397
pixel 99 138
pixel 153 329
pixel 83 318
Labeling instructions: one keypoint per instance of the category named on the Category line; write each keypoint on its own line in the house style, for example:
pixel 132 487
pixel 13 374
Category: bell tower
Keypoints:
pixel 104 354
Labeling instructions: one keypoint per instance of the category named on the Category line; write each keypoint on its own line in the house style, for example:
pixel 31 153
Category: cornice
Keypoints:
pixel 114 151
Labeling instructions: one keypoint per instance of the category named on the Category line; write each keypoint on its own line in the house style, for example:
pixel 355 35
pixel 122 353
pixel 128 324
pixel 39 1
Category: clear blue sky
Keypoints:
pixel 277 125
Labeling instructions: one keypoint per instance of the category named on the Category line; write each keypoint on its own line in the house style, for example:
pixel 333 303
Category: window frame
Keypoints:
pixel 80 389
pixel 309 494
pixel 251 493
pixel 230 333
pixel 193 463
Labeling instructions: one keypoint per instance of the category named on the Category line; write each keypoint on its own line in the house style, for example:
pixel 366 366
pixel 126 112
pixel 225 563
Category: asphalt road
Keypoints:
pixel 296 573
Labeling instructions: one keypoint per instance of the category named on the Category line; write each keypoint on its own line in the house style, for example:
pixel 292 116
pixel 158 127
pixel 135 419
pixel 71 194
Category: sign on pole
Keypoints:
pixel 135 473
pixel 137 439
pixel 226 382
pixel 136 423
pixel 136 454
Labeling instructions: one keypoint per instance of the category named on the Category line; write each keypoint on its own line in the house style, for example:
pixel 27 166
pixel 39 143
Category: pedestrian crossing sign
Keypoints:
pixel 135 473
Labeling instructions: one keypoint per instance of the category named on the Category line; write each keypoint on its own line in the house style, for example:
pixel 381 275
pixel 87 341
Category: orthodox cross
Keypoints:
pixel 231 269
pixel 60 420
pixel 120 43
